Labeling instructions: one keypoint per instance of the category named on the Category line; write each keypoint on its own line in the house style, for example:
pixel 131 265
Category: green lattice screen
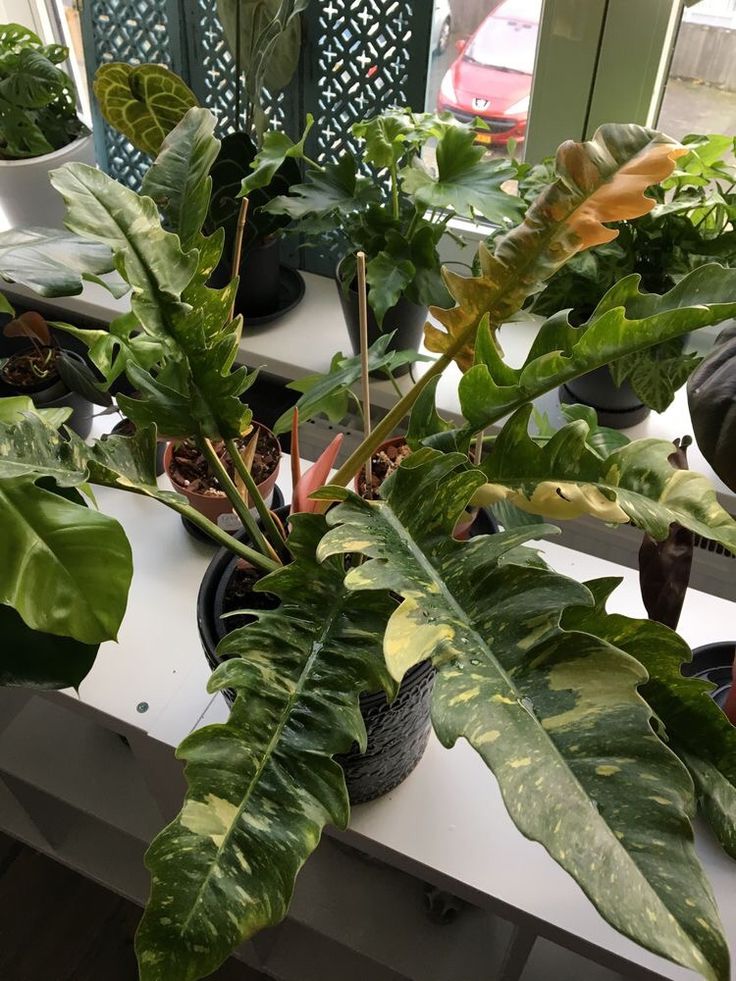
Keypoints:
pixel 358 57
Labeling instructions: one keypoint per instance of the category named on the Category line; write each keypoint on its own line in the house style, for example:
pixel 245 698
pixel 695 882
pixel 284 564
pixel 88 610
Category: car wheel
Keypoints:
pixel 444 39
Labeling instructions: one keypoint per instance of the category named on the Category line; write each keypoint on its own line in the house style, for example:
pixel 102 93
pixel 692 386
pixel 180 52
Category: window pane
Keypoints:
pixel 483 54
pixel 700 96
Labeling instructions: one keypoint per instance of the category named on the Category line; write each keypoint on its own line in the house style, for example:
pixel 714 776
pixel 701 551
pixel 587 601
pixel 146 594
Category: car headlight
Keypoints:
pixel 448 88
pixel 519 107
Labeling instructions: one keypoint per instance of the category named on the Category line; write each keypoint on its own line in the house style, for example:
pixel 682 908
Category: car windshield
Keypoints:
pixel 505 43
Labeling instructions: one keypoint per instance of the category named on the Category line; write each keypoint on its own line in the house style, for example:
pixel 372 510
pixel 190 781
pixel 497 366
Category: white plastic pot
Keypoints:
pixel 26 196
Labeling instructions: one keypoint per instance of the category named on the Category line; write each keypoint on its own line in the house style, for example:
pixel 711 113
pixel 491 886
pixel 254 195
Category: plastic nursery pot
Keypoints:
pixel 27 195
pixel 215 504
pixel 397 733
pixel 51 393
pixel 406 318
pixel 126 428
pixel 715 663
pixel 267 288
pixel 617 408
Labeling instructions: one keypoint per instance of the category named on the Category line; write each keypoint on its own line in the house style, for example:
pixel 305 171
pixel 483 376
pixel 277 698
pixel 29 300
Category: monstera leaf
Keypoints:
pixel 564 478
pixel 53 262
pixel 554 713
pixel 262 786
pixel 599 181
pixel 696 727
pixel 143 102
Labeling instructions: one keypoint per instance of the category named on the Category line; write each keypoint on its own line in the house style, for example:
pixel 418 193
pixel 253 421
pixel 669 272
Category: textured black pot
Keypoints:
pixel 714 663
pixel 397 733
pixel 55 396
pixel 406 318
pixel 617 408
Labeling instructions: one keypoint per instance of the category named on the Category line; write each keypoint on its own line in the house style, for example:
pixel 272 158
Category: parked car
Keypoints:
pixel 441 26
pixel 492 77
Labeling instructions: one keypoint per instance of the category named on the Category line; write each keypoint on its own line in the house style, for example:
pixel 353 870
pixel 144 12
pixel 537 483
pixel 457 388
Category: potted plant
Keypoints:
pixel 387 201
pixel 146 101
pixel 51 376
pixel 40 126
pixel 518 650
pixel 690 224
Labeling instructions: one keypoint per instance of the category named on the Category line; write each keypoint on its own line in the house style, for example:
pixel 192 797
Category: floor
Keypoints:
pixel 56 925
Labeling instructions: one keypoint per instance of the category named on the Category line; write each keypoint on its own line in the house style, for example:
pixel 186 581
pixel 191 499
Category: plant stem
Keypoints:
pixel 395 384
pixel 224 538
pixel 364 377
pixel 238 249
pixel 239 505
pixel 394 190
pixel 273 534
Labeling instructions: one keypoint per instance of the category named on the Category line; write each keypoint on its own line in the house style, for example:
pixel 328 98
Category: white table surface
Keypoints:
pixel 448 817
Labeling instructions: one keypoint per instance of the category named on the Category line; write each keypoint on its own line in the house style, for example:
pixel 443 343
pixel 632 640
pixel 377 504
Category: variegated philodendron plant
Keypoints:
pixel 600 747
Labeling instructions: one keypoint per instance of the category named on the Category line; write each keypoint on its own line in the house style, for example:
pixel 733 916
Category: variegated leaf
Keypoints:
pixel 262 786
pixel 599 181
pixel 564 478
pixel 696 727
pixel 555 714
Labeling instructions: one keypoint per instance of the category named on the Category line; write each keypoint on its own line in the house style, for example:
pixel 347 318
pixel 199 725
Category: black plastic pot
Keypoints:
pixel 397 733
pixel 267 289
pixel 406 318
pixel 126 428
pixel 56 395
pixel 714 663
pixel 617 408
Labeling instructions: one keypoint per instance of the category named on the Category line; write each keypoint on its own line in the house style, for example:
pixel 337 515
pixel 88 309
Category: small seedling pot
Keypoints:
pixel 213 506
pixel 52 393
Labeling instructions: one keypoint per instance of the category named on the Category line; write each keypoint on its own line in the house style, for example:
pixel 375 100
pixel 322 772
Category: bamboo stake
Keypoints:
pixel 365 380
pixel 238 250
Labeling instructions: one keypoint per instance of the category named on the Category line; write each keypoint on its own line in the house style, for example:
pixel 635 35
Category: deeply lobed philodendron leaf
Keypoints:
pixel 554 713
pixel 262 786
pixel 601 180
pixel 696 727
pixel 143 102
pixel 565 478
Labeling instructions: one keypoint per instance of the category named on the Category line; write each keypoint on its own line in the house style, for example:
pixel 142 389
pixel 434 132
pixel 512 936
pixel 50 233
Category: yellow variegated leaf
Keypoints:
pixel 599 181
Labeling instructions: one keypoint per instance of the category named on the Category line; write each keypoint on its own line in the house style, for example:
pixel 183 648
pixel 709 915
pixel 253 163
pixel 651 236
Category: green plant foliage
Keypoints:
pixel 38 101
pixel 564 478
pixel 53 262
pixel 30 659
pixel 143 102
pixel 331 393
pixel 696 727
pixel 711 395
pixel 656 376
pixel 262 786
pixel 554 713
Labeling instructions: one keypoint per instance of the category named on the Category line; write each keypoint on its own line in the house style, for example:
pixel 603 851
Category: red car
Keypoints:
pixel 492 78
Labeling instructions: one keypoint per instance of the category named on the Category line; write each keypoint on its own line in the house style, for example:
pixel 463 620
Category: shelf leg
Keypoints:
pixel 517 953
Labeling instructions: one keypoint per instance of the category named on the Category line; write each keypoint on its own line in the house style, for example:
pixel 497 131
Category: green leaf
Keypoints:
pixel 387 137
pixel 466 182
pixel 338 189
pixel 276 150
pixel 143 102
pixel 262 786
pixel 329 393
pixel 696 727
pixel 51 262
pixel 599 438
pixel 425 421
pixel 30 659
pixel 711 394
pixel 657 373
pixel 555 714
pixel 564 478
pixel 388 280
pixel 65 568
pixel 179 180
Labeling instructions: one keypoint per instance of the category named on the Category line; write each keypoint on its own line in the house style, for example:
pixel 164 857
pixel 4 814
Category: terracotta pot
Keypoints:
pixel 394 441
pixel 212 506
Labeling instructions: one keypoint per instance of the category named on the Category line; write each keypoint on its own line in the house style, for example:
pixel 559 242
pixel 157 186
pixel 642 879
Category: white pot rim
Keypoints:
pixel 47 157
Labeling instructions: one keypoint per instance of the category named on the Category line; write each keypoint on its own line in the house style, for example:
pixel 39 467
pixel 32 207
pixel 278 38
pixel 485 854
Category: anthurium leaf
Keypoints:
pixel 465 182
pixel 31 659
pixel 626 321
pixel 50 261
pixel 143 102
pixel 555 714
pixel 329 392
pixel 599 181
pixel 262 786
pixel 711 395
pixel 65 568
pixel 387 281
pixel 179 180
pixel 696 727
pixel 564 478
